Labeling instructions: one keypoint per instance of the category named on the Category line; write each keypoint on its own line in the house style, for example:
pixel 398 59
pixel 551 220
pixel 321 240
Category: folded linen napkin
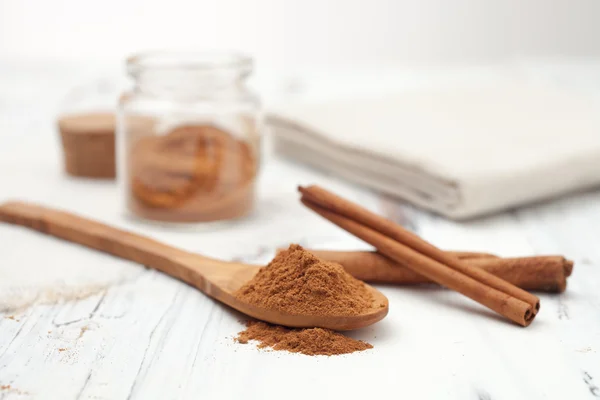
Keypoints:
pixel 460 151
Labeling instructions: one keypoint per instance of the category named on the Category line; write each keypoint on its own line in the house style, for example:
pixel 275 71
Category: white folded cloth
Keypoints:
pixel 461 151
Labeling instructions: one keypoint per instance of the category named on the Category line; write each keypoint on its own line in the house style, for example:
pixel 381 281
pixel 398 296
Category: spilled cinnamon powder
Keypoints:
pixel 297 282
pixel 312 341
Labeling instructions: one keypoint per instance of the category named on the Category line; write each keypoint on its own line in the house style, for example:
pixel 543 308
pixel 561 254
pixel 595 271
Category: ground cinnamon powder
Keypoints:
pixel 312 342
pixel 299 283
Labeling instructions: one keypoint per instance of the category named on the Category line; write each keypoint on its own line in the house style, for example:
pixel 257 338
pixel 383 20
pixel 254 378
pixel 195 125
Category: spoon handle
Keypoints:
pixel 217 279
pixel 178 263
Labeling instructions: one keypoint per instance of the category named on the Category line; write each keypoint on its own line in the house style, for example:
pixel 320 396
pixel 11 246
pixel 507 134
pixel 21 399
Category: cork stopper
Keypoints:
pixel 88 142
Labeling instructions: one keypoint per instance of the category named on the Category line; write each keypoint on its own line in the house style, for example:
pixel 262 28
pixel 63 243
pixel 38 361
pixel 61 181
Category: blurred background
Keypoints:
pixel 291 34
pixel 55 54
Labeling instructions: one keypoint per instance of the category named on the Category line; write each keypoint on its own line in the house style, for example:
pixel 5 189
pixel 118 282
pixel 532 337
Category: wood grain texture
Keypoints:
pixel 217 279
pixel 152 338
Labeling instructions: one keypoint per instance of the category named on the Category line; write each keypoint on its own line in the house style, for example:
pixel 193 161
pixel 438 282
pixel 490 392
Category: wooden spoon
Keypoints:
pixel 217 279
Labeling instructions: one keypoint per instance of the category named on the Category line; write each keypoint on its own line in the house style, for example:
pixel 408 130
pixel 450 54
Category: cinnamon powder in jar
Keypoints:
pixel 298 282
pixel 194 173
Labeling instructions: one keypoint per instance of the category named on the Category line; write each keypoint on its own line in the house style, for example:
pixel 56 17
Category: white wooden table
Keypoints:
pixel 77 324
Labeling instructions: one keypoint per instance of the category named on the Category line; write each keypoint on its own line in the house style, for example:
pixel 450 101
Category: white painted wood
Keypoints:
pixel 77 324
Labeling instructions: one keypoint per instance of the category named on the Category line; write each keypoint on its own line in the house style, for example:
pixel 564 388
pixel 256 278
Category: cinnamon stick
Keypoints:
pixel 470 255
pixel 541 273
pixel 467 255
pixel 422 257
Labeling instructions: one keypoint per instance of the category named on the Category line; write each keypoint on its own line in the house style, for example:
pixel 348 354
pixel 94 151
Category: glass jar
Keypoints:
pixel 189 137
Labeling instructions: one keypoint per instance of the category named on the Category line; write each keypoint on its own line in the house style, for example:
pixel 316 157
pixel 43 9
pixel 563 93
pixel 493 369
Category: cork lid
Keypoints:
pixel 89 144
pixel 99 122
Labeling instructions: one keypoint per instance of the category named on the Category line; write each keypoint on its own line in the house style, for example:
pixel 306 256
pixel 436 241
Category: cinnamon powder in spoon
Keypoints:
pixel 298 282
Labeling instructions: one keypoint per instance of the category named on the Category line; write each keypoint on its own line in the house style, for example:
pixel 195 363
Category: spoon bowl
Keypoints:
pixel 215 278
